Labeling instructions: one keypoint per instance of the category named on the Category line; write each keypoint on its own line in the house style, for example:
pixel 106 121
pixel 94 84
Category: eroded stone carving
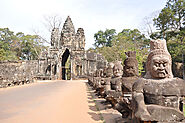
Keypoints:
pixel 105 85
pixel 158 96
pixel 68 46
pixel 109 75
pixel 130 64
pixel 116 90
pixel 129 77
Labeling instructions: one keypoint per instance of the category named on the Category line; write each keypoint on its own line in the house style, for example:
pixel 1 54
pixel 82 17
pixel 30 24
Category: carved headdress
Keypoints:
pixel 117 64
pixel 131 61
pixel 131 58
pixel 158 48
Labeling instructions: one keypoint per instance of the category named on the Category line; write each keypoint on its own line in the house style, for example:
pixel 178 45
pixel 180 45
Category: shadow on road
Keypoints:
pixel 101 110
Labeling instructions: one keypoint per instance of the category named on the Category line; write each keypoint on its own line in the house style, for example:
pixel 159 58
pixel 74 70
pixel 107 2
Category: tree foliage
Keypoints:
pixel 19 46
pixel 127 40
pixel 104 38
pixel 171 26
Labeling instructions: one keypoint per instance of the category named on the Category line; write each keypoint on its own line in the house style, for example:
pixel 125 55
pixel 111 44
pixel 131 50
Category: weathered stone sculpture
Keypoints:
pixel 116 80
pixel 98 82
pixel 130 71
pixel 97 78
pixel 106 75
pixel 95 75
pixel 130 75
pixel 55 37
pixel 158 96
pixel 109 75
pixel 116 90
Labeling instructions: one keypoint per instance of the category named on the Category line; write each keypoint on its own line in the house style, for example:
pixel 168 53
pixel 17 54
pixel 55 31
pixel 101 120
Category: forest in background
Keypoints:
pixel 169 24
pixel 19 46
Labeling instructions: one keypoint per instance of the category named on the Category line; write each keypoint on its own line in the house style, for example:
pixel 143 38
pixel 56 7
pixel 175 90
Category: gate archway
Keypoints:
pixel 65 57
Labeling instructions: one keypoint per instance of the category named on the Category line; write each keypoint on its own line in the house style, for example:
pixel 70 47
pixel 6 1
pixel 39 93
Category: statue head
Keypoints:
pixel 118 69
pixel 159 61
pixel 109 69
pixel 130 64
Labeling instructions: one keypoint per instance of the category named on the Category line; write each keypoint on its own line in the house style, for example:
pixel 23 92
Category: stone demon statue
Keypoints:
pixel 158 96
pixel 130 75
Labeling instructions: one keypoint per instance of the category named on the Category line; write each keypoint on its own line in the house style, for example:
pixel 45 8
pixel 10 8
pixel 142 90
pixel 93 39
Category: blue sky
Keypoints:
pixel 92 15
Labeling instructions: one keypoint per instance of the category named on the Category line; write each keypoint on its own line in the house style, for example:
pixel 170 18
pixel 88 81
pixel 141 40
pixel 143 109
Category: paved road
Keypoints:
pixel 47 102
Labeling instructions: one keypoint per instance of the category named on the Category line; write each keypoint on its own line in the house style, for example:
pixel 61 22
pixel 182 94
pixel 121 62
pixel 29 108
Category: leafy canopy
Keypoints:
pixel 19 46
pixel 127 40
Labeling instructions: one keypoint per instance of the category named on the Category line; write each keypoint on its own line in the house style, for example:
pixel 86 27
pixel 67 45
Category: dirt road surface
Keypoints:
pixel 50 102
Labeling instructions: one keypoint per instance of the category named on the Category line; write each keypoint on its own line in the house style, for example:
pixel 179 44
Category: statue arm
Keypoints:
pixel 140 109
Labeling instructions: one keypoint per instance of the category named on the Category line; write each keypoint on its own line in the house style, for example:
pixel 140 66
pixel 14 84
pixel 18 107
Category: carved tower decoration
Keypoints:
pixel 67 46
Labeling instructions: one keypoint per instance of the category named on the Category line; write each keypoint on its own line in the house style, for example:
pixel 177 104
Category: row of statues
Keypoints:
pixel 156 97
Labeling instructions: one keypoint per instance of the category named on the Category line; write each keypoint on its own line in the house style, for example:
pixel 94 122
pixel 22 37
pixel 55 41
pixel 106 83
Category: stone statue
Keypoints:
pixel 117 75
pixel 115 82
pixel 98 82
pixel 130 71
pixel 130 64
pixel 55 37
pixel 109 75
pixel 130 75
pixel 97 78
pixel 158 96
pixel 95 75
pixel 105 80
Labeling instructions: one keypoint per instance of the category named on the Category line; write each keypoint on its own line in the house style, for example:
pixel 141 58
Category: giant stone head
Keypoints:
pixel 118 69
pixel 130 64
pixel 159 61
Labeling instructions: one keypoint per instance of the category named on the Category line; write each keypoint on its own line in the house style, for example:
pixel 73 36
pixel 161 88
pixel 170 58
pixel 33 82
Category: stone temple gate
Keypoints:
pixel 66 58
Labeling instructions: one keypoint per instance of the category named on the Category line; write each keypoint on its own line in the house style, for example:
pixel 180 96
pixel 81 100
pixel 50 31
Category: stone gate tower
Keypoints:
pixel 67 47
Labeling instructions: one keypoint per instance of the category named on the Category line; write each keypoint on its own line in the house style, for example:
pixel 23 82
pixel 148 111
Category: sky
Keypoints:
pixel 27 16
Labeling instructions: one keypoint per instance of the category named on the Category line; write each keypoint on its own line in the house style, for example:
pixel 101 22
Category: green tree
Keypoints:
pixel 104 38
pixel 171 26
pixel 171 20
pixel 127 40
pixel 30 47
pixel 19 46
pixel 132 37
pixel 6 39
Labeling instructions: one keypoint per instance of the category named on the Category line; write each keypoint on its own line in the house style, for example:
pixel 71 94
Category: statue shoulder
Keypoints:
pixel 138 85
pixel 181 85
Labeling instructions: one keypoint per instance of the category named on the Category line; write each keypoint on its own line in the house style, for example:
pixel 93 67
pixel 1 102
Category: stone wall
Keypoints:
pixel 94 61
pixel 17 72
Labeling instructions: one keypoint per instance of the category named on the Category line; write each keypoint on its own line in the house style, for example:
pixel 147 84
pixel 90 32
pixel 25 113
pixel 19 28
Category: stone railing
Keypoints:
pixel 17 72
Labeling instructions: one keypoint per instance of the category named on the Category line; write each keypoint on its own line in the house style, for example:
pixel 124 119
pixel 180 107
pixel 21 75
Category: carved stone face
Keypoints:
pixel 160 67
pixel 117 71
pixel 110 70
pixel 130 70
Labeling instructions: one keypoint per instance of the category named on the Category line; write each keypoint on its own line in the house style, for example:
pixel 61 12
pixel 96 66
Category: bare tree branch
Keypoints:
pixel 52 21
pixel 147 26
